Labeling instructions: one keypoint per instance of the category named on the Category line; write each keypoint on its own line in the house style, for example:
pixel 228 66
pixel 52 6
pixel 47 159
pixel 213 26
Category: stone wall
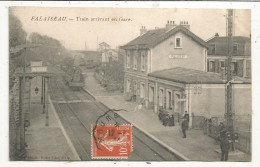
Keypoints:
pixel 13 117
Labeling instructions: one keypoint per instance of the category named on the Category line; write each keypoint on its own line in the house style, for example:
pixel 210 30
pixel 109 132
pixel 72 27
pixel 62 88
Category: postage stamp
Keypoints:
pixel 110 141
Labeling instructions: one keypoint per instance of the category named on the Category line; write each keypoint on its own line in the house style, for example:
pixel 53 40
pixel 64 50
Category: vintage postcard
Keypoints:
pixel 129 84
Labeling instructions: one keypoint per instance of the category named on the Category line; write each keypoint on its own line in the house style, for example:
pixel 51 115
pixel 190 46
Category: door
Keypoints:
pixel 142 90
pixel 161 98
pixel 168 100
pixel 151 94
pixel 151 97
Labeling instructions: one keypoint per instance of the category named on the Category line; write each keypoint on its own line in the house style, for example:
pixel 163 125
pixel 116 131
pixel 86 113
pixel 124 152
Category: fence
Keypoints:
pixel 198 122
pixel 242 126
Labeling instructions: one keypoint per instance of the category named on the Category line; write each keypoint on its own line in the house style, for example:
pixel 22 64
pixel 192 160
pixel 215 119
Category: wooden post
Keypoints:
pixel 43 95
pixel 47 111
pixel 42 92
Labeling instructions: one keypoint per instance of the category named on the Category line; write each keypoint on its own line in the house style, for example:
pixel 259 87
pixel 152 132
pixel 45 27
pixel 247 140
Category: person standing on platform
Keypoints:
pixel 184 127
pixel 224 146
pixel 187 118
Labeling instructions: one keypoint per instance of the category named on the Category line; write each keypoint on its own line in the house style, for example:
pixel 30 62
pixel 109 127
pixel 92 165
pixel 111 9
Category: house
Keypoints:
pixel 109 55
pixel 78 58
pixel 241 58
pixel 159 49
pixel 103 47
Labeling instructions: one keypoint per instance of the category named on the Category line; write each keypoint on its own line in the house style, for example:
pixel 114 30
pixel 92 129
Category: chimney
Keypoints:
pixel 185 24
pixel 170 25
pixel 216 35
pixel 143 30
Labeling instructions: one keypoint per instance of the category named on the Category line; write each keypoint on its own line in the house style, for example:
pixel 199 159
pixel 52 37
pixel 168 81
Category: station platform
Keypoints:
pixel 196 147
pixel 50 142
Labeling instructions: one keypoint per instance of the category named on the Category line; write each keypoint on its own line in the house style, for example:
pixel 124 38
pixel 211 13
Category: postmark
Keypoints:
pixel 111 142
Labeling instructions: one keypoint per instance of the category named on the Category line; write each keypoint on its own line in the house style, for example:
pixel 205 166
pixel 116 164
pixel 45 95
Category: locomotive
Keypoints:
pixel 73 78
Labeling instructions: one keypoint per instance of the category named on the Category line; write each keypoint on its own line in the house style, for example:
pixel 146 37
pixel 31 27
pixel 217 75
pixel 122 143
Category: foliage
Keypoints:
pixel 38 48
pixel 37 38
pixel 113 75
pixel 17 35
pixel 47 49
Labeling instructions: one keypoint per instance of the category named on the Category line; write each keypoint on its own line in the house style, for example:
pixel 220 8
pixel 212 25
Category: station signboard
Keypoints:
pixel 36 63
pixel 39 69
pixel 180 56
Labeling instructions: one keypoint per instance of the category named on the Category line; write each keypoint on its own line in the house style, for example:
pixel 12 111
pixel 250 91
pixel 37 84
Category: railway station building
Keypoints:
pixel 166 68
pixel 241 59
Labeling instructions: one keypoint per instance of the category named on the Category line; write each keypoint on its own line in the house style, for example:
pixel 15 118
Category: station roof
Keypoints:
pixel 190 76
pixel 51 71
pixel 154 37
pixel 221 46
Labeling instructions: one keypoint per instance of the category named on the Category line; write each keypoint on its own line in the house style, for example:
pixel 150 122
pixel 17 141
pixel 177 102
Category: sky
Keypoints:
pixel 78 35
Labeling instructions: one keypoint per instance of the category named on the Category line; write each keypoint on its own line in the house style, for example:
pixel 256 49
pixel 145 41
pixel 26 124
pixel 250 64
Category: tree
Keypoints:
pixel 17 35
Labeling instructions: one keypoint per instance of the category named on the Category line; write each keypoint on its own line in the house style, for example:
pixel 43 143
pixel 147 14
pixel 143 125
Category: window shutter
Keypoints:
pixel 208 66
pixel 217 66
pixel 248 68
pixel 240 68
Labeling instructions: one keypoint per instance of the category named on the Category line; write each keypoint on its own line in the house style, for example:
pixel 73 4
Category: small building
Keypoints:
pixel 241 58
pixel 109 55
pixel 198 92
pixel 78 58
pixel 89 59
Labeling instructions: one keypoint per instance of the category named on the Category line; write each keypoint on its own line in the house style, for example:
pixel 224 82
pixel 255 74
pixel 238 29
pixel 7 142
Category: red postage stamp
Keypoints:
pixel 110 141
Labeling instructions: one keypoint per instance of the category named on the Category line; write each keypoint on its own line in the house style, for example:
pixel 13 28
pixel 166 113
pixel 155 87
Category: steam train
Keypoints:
pixel 73 78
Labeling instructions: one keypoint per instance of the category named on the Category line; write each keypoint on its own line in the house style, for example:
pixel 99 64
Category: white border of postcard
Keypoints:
pixel 255 8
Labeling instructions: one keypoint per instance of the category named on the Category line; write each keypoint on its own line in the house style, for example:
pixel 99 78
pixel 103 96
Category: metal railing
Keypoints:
pixel 242 126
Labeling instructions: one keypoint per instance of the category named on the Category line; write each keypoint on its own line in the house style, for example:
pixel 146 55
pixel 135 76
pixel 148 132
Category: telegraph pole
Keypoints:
pixel 229 112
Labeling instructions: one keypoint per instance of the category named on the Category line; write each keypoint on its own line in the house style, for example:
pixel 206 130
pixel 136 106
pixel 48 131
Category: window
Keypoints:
pixel 142 62
pixel 213 48
pixel 234 68
pixel 142 90
pixel 151 93
pixel 135 88
pixel 178 42
pixel 248 68
pixel 128 83
pixel 135 62
pixel 235 49
pixel 222 64
pixel 211 66
pixel 128 60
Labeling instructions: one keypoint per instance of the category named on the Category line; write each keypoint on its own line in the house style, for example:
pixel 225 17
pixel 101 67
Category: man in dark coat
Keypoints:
pixel 186 116
pixel 184 127
pixel 224 145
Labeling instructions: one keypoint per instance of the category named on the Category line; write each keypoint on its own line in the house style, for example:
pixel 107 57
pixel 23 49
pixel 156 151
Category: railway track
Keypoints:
pixel 71 123
pixel 145 148
pixel 156 147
